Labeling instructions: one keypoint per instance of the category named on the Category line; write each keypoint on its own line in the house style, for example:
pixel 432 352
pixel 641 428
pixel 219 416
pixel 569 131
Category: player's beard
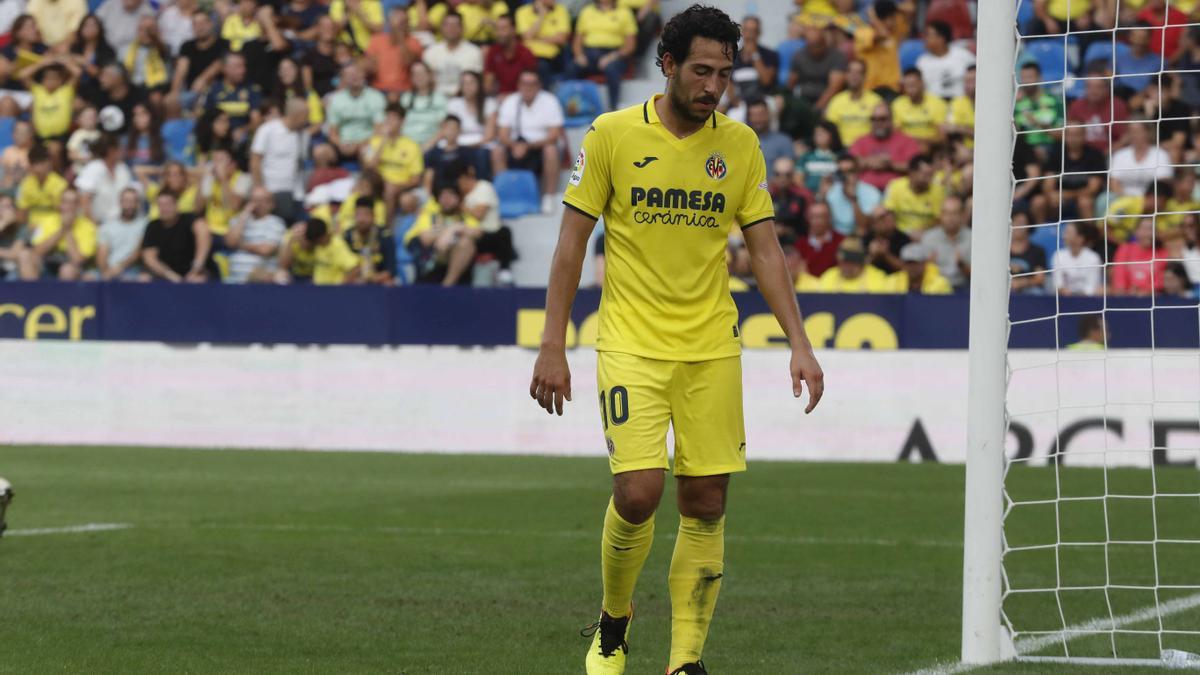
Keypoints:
pixel 681 105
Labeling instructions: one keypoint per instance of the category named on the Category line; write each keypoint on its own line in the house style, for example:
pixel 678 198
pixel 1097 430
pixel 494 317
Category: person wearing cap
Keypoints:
pixel 852 273
pixel 919 274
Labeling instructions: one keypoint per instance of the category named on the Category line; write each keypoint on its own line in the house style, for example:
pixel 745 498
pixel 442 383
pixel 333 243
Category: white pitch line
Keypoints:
pixel 1099 624
pixel 70 529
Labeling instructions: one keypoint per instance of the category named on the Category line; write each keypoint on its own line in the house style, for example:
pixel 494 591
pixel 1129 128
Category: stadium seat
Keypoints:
pixel 1025 16
pixel 581 102
pixel 404 257
pixel 1102 50
pixel 6 131
pixel 910 51
pixel 1047 237
pixel 518 191
pixel 177 137
pixel 787 50
pixel 1051 56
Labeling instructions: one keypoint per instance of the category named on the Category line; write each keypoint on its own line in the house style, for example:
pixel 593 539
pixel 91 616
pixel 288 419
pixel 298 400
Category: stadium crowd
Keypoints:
pixel 371 141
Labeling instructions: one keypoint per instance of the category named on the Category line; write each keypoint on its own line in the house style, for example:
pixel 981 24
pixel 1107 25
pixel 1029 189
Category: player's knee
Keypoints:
pixel 635 508
pixel 703 498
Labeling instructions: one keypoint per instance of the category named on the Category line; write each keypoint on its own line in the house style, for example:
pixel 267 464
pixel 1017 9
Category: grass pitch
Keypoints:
pixel 305 562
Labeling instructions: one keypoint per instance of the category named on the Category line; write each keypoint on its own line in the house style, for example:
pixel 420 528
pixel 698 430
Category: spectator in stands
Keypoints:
pixel 357 21
pixel 531 124
pixel 57 19
pixel 223 189
pixel 852 274
pixel 63 244
pixel 443 239
pixel 918 275
pixel 851 200
pixel 102 180
pixel 425 107
pixel 878 44
pixel 253 240
pixel 1176 248
pixel 950 243
pixel 175 24
pixel 298 19
pixel 175 180
pixel 114 96
pixel 1026 263
pixel 147 60
pixel 505 59
pixel 398 159
pixel 885 153
pixel 1083 177
pixel 1188 59
pixel 1053 17
pixel 319 65
pixel 1137 268
pixel 353 112
pixel 236 97
pixel 375 246
pixel 648 16
pixel 1157 13
pixel 481 202
pixel 390 55
pixel 118 250
pixel 289 86
pixel 915 200
pixel 1136 166
pixel 1077 268
pixel 312 253
pixel 476 111
pixel 176 247
pixel 40 191
pixel 14 161
pixel 605 38
pixel 819 247
pixel 944 64
pixel 960 118
pixel 1163 103
pixel 199 62
pixel 756 68
pixel 24 50
pixel 1139 67
pixel 277 157
pixel 545 26
pixel 820 162
pixel 884 242
pixel 790 197
pixel 452 55
pixel 79 150
pixel 818 71
pixel 1176 283
pixel 1038 111
pixel 13 235
pixel 1182 203
pixel 850 109
pixel 445 154
pixel 919 114
pixel 1097 109
pixel 143 146
pixel 90 50
pixel 121 19
pixel 773 143
pixel 52 82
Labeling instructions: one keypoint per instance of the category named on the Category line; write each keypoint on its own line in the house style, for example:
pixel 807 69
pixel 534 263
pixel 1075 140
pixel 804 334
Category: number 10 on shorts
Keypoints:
pixel 614 403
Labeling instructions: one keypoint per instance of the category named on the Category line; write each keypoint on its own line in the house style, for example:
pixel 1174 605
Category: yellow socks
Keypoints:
pixel 623 549
pixel 695 580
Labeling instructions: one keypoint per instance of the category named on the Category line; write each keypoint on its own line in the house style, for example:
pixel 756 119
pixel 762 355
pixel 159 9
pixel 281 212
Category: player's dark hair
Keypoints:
pixel 942 29
pixel 1089 323
pixel 693 22
pixel 314 229
pixel 1032 65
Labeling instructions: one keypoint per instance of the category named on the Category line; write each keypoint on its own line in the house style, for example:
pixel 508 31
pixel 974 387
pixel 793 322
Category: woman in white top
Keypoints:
pixel 1078 270
pixel 1135 167
pixel 476 110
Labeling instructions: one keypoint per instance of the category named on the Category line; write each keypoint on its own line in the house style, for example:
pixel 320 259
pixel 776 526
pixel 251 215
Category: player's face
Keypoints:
pixel 695 86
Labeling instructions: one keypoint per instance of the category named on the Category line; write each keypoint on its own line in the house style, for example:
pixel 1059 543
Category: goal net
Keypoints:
pixel 1100 489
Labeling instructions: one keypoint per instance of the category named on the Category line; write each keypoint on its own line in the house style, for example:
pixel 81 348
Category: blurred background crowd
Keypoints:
pixel 413 141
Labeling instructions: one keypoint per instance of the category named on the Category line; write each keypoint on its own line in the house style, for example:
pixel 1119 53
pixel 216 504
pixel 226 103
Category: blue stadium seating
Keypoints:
pixel 518 191
pixel 404 257
pixel 581 102
pixel 787 50
pixel 1102 50
pixel 1051 56
pixel 178 141
pixel 1024 16
pixel 1047 237
pixel 910 51
pixel 6 131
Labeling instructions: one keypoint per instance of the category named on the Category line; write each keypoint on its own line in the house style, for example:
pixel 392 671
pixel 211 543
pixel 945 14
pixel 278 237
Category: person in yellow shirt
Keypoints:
pixel 357 20
pixel 852 274
pixel 479 19
pixel 52 83
pixel 1182 201
pixel 398 159
pixel 223 191
pixel 444 239
pixel 915 200
pixel 242 26
pixel 920 273
pixel 1053 17
pixel 605 37
pixel 960 119
pixel 919 113
pixel 40 192
pixel 369 184
pixel 63 244
pixel 850 109
pixel 878 44
pixel 312 253
pixel 545 28
pixel 647 14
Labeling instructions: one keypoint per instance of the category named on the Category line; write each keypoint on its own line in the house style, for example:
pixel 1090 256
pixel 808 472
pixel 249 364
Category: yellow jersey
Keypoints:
pixel 344 218
pixel 852 116
pixel 1123 216
pixel 52 110
pixel 430 217
pixel 357 33
pixel 556 21
pixel 668 205
pixel 400 158
pixel 922 120
pixel 238 32
pixel 962 114
pixel 83 228
pixel 1176 212
pixel 872 280
pixel 476 26
pixel 331 262
pixel 933 283
pixel 914 212
pixel 41 200
pixel 185 202
pixel 605 30
pixel 1063 9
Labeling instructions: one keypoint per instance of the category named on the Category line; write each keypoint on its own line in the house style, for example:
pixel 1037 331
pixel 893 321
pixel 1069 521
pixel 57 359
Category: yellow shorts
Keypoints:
pixel 702 401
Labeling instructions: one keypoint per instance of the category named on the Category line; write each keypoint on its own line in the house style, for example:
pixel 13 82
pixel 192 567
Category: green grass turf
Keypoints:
pixel 342 562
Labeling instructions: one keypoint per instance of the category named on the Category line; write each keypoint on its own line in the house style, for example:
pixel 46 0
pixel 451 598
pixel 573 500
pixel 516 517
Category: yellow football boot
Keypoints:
pixel 606 655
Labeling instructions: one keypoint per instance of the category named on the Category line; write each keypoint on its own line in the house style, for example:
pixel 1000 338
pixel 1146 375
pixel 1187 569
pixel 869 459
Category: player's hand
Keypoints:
pixel 551 380
pixel 806 370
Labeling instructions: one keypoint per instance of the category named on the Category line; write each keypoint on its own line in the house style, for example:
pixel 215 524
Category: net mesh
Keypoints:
pixel 1102 492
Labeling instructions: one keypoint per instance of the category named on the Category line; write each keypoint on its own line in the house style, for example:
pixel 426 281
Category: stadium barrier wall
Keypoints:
pixel 880 408
pixel 419 315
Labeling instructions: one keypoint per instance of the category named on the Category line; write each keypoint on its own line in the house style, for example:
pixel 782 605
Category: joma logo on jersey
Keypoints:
pixel 675 198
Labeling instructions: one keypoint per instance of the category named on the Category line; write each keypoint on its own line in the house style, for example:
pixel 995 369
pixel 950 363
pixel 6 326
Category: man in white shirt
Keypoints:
pixel 531 124
pixel 101 181
pixel 1078 270
pixel 277 157
pixel 943 64
pixel 254 237
pixel 481 201
pixel 120 19
pixel 452 55
pixel 118 252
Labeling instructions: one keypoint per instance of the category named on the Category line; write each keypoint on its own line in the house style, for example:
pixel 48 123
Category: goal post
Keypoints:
pixel 996 48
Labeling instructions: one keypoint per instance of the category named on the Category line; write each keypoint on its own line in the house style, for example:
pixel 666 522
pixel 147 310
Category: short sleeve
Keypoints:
pixel 507 115
pixel 86 180
pixel 554 112
pixel 756 204
pixel 423 222
pixel 150 239
pixel 629 25
pixel 22 194
pixel 259 145
pixel 590 183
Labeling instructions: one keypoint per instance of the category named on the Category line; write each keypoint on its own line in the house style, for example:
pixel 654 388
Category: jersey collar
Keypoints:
pixel 650 114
